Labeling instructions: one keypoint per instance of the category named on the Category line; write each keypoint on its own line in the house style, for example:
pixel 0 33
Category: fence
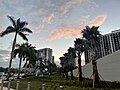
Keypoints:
pixel 28 86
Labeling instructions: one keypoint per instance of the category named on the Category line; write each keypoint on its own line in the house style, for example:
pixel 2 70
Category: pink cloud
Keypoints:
pixel 66 32
pixel 75 32
pixel 36 27
pixel 65 7
pixel 2 29
pixel 74 1
pixel 49 18
pixel 98 20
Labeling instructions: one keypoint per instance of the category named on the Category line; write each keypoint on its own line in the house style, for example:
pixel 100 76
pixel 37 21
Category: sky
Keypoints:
pixel 56 23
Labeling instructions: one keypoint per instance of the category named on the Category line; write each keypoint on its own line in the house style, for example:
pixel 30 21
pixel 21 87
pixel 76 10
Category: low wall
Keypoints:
pixel 108 68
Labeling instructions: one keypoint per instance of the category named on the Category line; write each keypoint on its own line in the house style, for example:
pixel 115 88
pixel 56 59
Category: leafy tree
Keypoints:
pixel 79 48
pixel 18 27
pixel 40 64
pixel 51 67
pixel 92 36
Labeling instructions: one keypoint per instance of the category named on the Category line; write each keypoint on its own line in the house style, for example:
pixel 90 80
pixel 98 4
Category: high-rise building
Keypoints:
pixel 46 54
pixel 109 43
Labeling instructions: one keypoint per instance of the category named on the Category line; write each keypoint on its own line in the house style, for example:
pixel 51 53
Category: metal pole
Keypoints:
pixel 43 86
pixel 17 86
pixel 61 87
pixel 28 88
pixel 9 82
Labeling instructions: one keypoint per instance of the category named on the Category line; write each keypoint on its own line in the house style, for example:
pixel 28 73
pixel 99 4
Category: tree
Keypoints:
pixel 51 67
pixel 92 36
pixel 65 65
pixel 62 63
pixel 22 52
pixel 72 56
pixel 79 47
pixel 40 64
pixel 30 56
pixel 18 27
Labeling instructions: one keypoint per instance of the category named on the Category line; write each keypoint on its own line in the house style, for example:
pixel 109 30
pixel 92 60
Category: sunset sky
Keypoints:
pixel 56 23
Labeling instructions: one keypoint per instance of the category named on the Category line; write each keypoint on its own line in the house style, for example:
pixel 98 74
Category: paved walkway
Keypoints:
pixel 5 88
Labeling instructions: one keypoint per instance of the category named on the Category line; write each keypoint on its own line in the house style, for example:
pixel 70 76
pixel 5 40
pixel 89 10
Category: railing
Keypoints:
pixel 28 86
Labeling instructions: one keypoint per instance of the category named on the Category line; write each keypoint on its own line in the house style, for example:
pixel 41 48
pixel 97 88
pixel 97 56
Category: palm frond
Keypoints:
pixel 8 30
pixel 22 24
pixel 25 30
pixel 16 51
pixel 18 45
pixel 12 20
pixel 18 21
pixel 23 36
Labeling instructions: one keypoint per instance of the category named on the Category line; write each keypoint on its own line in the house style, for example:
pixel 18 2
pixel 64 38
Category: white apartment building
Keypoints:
pixel 46 54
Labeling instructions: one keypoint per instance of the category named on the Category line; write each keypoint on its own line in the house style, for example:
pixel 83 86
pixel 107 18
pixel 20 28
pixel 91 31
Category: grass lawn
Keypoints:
pixel 53 83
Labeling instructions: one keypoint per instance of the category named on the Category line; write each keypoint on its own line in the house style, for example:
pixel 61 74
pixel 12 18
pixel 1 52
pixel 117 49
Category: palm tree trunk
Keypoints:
pixel 25 66
pixel 66 75
pixel 11 57
pixel 71 74
pixel 19 67
pixel 95 72
pixel 79 68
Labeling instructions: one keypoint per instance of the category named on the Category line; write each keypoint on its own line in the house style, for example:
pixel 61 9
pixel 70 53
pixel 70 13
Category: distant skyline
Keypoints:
pixel 56 23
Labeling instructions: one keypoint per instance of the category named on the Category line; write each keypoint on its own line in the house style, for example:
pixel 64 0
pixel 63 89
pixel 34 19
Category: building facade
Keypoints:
pixel 109 43
pixel 46 54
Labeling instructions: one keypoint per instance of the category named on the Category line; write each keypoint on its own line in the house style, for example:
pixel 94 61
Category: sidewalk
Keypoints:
pixel 5 88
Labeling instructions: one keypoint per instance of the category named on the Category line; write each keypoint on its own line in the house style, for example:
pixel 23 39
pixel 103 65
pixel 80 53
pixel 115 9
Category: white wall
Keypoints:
pixel 108 67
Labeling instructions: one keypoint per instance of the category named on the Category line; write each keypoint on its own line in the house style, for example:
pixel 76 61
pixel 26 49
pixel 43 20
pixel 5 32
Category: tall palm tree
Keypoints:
pixel 79 47
pixel 92 36
pixel 18 27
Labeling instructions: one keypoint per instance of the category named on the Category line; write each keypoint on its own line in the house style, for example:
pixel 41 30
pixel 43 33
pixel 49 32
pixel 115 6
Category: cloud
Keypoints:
pixel 66 6
pixel 49 18
pixel 99 20
pixel 91 3
pixel 36 27
pixel 66 32
pixel 75 32
pixel 4 55
pixel 4 52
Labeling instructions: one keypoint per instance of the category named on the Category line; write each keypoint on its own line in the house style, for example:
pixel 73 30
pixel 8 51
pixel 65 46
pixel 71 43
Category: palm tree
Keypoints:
pixel 21 51
pixel 79 47
pixel 62 63
pixel 18 27
pixel 30 56
pixel 65 64
pixel 92 36
pixel 72 56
